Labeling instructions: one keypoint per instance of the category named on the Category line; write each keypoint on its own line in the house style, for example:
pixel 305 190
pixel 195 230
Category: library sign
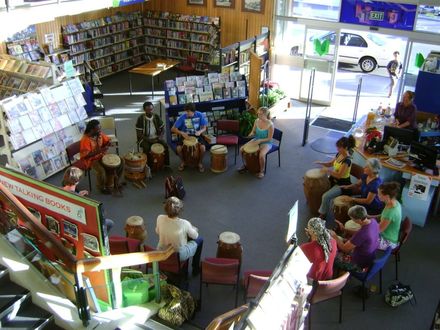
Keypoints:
pixel 120 3
pixel 379 14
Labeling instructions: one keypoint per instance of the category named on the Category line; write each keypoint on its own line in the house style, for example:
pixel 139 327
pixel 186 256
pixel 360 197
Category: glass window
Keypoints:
pixel 325 10
pixel 355 41
pixel 290 38
pixel 428 19
pixel 27 3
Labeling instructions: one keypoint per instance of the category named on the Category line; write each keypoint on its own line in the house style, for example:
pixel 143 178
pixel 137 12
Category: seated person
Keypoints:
pixel 391 216
pixel 338 169
pixel 93 146
pixel 191 123
pixel 359 251
pixel 150 130
pixel 71 179
pixel 406 111
pixel 262 131
pixel 321 250
pixel 368 183
pixel 174 231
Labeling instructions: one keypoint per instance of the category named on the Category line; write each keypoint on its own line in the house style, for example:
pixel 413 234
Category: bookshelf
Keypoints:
pixel 24 49
pixel 261 45
pixel 244 56
pixel 111 44
pixel 19 76
pixel 36 128
pixel 217 95
pixel 230 58
pixel 178 36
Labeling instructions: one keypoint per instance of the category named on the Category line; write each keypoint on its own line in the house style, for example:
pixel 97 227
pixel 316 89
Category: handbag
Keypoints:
pixel 398 294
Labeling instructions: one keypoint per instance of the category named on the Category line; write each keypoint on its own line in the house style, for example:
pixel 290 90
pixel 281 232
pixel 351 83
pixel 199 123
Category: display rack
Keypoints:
pixel 230 58
pixel 18 76
pixel 37 127
pixel 244 56
pixel 261 45
pixel 111 44
pixel 208 94
pixel 24 49
pixel 178 36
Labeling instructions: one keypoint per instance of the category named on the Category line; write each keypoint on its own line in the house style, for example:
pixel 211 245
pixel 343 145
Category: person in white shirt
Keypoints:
pixel 174 231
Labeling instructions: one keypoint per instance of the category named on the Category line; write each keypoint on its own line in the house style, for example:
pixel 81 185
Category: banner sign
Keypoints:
pixel 378 13
pixel 120 3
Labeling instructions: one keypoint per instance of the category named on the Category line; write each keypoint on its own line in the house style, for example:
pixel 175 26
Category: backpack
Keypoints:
pixel 174 187
pixel 398 294
pixel 179 305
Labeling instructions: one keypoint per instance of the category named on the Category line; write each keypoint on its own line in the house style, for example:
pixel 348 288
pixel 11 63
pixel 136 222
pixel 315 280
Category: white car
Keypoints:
pixel 357 48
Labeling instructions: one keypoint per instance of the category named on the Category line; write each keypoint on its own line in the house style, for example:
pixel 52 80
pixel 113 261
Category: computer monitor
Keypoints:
pixel 403 135
pixel 423 156
pixel 293 221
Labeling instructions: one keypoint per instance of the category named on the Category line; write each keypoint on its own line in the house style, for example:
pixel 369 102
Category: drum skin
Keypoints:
pixel 219 158
pixel 316 183
pixel 251 154
pixel 229 247
pixel 341 204
pixel 111 162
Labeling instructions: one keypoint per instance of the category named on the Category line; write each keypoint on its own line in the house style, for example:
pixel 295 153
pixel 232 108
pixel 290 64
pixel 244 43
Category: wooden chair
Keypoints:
pixel 405 230
pixel 72 152
pixel 325 290
pixel 222 271
pixel 277 136
pixel 230 138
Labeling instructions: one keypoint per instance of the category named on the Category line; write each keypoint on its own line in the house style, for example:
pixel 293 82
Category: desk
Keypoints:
pixel 151 69
pixel 417 210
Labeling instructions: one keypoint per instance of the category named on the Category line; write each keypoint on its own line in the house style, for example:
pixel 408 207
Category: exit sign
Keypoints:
pixel 377 15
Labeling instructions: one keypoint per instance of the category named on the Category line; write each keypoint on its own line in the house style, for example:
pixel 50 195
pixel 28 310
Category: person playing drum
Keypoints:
pixel 93 146
pixel 262 133
pixel 338 169
pixel 191 123
pixel 174 231
pixel 150 130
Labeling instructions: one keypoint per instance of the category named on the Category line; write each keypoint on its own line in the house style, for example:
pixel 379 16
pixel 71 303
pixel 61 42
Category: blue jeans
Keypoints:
pixel 192 249
pixel 327 198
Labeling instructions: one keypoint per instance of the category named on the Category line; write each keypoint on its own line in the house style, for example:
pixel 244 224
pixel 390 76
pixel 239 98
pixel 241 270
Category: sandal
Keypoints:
pixel 260 175
pixel 242 169
pixel 181 167
pixel 201 168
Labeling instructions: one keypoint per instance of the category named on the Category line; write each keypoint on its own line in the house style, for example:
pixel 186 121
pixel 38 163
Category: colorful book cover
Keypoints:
pixel 180 81
pixel 14 126
pixel 173 99
pixel 226 93
pixel 35 117
pixel 181 98
pixel 189 98
pixel 25 122
pixel 54 110
pixel 205 96
pixel 242 91
pixel 47 128
pixel 218 93
pixel 71 103
pixel 234 92
pixel 29 135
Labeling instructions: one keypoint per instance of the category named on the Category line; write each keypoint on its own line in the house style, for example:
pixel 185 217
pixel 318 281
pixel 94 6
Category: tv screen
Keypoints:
pixel 424 156
pixel 403 135
pixel 293 221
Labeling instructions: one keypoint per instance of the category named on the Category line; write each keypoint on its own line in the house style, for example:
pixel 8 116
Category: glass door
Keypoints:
pixel 324 62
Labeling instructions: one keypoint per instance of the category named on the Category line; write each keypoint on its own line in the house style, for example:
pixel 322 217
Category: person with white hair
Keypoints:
pixel 321 250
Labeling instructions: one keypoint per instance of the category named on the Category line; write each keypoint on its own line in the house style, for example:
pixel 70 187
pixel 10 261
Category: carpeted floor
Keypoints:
pixel 257 211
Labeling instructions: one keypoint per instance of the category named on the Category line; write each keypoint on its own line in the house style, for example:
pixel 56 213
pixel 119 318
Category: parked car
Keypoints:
pixel 365 49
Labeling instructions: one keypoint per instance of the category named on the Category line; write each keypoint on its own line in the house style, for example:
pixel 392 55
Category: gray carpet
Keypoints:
pixel 257 211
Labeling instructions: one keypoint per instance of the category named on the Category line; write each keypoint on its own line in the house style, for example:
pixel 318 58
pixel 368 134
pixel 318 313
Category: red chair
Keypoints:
pixel 232 128
pixel 188 65
pixel 72 152
pixel 175 270
pixel 253 281
pixel 121 245
pixel 221 271
pixel 325 290
pixel 405 230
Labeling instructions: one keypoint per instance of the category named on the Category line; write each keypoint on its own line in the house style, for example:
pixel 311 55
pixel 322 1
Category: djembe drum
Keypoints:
pixel 135 228
pixel 228 246
pixel 219 158
pixel 135 163
pixel 111 162
pixel 341 204
pixel 251 153
pixel 157 157
pixel 316 183
pixel 190 151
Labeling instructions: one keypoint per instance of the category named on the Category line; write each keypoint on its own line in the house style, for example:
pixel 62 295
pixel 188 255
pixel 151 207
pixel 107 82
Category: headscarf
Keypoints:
pixel 317 226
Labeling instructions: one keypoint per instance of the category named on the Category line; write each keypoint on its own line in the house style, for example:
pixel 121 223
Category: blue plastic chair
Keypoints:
pixel 278 136
pixel 375 268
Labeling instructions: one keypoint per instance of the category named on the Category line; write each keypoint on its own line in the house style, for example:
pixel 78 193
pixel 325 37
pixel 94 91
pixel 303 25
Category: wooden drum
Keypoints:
pixel 219 158
pixel 111 162
pixel 135 228
pixel 190 151
pixel 135 163
pixel 341 204
pixel 316 183
pixel 228 246
pixel 251 153
pixel 157 157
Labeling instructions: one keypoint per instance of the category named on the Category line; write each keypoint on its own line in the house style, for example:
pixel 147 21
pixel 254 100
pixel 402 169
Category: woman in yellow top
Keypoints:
pixel 339 172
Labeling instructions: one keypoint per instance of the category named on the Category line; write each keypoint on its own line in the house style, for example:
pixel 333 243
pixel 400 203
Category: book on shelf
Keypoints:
pixel 25 122
pixel 38 131
pixel 205 96
pixel 73 116
pixel 234 92
pixel 17 141
pixel 169 84
pixel 29 136
pixel 24 85
pixel 47 128
pixel 54 110
pixel 181 98
pixel 180 81
pixel 218 93
pixel 181 89
pixel 14 126
pixel 217 85
pixel 173 99
pixel 226 93
pixel 35 117
pixel 45 114
pixel 207 88
pixel 242 91
pixel 16 66
pixel 71 103
pixel 32 86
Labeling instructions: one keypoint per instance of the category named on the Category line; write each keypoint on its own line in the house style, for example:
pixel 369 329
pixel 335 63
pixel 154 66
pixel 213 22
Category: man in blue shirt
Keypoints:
pixel 191 123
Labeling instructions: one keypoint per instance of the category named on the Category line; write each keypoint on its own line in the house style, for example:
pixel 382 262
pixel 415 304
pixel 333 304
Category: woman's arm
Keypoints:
pixel 370 197
pixel 344 246
pixel 353 185
pixel 338 174
pixel 254 127
pixel 326 164
pixel 383 224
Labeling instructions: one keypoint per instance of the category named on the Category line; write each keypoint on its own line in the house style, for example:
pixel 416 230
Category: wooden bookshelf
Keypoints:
pixel 19 76
pixel 24 49
pixel 244 56
pixel 230 58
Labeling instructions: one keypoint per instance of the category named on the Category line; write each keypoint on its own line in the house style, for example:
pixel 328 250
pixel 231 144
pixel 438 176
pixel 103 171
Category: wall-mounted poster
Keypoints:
pixel 196 2
pixel 378 13
pixel 91 242
pixel 255 6
pixel 224 3
pixel 70 229
pixel 52 224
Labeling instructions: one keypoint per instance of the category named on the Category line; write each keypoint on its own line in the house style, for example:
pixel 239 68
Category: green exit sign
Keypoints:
pixel 377 15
